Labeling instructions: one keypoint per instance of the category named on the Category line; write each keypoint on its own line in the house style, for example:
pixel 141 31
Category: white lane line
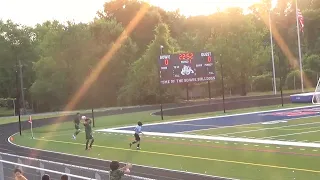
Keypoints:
pixel 292 134
pixel 262 129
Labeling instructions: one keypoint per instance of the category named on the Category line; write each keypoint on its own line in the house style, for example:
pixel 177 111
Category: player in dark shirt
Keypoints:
pixel 88 131
pixel 76 125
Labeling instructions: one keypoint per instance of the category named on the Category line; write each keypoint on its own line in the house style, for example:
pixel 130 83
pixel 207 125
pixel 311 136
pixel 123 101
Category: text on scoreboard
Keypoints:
pixel 187 67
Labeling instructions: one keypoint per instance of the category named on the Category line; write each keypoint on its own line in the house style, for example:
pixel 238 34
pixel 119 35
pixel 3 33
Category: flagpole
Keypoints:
pixel 272 56
pixel 299 46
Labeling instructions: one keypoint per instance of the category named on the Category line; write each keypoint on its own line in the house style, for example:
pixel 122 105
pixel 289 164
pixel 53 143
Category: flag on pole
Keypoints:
pixel 300 19
pixel 30 120
pixel 300 23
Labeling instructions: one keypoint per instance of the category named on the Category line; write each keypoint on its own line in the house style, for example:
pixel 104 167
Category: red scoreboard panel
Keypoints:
pixel 187 68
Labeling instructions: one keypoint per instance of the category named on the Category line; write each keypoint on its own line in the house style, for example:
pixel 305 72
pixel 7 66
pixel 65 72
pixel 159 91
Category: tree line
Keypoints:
pixel 56 57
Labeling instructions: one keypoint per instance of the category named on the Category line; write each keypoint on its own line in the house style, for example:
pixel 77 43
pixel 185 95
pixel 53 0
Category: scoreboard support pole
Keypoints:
pixel 209 91
pixel 160 85
pixel 222 85
pixel 187 86
pixel 161 108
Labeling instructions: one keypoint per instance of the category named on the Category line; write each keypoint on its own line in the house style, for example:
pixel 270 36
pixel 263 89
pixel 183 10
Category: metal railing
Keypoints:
pixel 35 168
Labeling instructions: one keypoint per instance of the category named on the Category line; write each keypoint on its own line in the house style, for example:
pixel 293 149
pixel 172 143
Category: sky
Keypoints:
pixel 31 12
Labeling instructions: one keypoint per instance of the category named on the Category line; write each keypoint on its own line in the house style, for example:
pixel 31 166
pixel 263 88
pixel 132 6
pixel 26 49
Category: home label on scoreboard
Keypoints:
pixel 187 68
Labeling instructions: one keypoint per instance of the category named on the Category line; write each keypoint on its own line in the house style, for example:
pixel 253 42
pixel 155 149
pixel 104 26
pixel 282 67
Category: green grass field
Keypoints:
pixel 306 130
pixel 6 112
pixel 219 158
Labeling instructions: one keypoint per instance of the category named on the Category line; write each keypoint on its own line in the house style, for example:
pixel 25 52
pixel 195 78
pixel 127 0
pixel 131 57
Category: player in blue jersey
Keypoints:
pixel 137 131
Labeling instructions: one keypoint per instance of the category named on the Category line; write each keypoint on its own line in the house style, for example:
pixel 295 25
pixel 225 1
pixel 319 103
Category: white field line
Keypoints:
pixel 292 134
pixel 289 119
pixel 195 125
pixel 188 136
pixel 216 117
pixel 104 160
pixel 300 129
pixel 262 129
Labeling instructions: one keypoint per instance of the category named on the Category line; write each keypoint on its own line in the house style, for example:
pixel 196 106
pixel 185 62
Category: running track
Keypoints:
pixel 9 129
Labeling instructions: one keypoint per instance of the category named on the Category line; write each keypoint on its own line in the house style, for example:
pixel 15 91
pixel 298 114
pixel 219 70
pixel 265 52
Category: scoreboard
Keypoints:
pixel 186 68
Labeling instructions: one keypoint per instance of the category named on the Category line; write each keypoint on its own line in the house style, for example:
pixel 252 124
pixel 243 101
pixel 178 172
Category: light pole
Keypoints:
pixel 22 89
pixel 18 95
pixel 272 57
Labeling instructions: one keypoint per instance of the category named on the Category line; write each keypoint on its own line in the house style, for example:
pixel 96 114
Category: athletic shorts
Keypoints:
pixel 77 127
pixel 89 136
pixel 137 137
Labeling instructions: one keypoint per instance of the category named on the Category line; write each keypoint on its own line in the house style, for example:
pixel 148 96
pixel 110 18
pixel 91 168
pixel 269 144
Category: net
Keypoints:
pixel 7 107
pixel 316 94
pixel 35 168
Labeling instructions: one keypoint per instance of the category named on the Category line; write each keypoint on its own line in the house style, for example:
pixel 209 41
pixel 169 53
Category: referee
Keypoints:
pixel 137 131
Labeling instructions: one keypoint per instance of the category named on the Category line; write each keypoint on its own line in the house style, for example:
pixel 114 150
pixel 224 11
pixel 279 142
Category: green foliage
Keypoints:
pixel 264 83
pixel 57 58
pixel 312 62
pixel 15 45
pixel 240 43
pixel 69 53
pixel 311 77
pixel 142 85
pixel 293 80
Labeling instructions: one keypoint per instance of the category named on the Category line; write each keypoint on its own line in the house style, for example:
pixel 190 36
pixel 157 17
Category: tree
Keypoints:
pixel 142 84
pixel 72 51
pixel 113 77
pixel 124 11
pixel 312 62
pixel 16 45
pixel 239 42
pixel 64 52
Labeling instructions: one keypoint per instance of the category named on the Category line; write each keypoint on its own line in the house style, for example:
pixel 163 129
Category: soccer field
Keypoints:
pixel 236 156
pixel 300 130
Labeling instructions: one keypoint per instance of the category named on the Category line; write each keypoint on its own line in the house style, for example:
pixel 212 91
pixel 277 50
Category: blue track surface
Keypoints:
pixel 233 120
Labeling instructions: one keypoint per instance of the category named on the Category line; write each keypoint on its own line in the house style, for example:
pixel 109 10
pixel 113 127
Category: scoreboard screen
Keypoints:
pixel 187 68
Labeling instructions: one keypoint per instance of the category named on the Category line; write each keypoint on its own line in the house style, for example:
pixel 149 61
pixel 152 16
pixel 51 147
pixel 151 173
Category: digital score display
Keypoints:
pixel 187 68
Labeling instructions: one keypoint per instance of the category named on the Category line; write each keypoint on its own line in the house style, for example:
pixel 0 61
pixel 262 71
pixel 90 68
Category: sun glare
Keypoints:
pixel 86 10
pixel 201 7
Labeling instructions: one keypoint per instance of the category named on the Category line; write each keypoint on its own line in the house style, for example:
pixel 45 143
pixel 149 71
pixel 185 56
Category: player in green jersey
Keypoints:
pixel 88 131
pixel 117 173
pixel 76 125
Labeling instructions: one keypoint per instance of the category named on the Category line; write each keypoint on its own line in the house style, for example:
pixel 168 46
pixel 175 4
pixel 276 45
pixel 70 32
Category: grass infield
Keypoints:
pixel 228 159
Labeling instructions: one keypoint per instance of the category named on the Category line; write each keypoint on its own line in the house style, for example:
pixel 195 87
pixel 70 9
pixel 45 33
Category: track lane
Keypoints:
pixel 162 174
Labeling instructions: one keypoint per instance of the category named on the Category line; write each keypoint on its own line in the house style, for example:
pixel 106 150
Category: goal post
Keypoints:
pixel 7 107
pixel 316 94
